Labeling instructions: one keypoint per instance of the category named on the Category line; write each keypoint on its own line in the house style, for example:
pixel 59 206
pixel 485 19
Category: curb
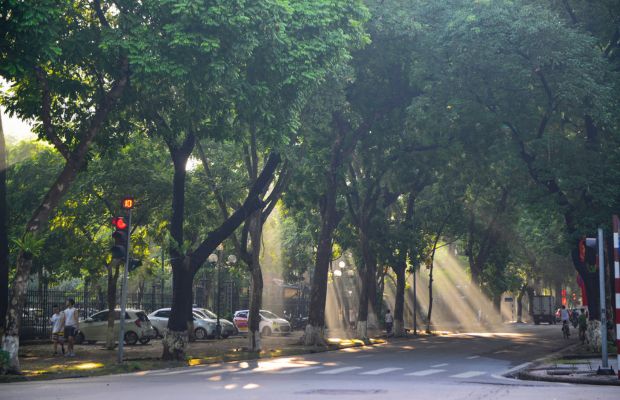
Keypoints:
pixel 524 373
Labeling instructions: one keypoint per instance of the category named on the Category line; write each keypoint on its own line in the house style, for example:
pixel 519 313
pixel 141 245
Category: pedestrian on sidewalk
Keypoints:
pixel 58 320
pixel 389 323
pixel 71 326
pixel 583 325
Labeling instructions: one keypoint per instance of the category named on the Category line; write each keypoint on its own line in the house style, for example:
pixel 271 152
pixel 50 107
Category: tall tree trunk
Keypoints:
pixel 318 290
pixel 520 303
pixel 4 236
pixel 256 282
pixel 369 286
pixel 113 271
pixel 329 220
pixel 177 335
pixel 399 304
pixel 430 296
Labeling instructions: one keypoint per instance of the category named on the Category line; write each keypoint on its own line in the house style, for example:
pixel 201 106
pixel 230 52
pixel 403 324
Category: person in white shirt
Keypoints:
pixel 57 320
pixel 71 325
pixel 564 315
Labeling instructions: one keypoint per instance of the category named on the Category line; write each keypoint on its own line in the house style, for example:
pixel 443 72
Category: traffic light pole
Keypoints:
pixel 121 331
pixel 601 274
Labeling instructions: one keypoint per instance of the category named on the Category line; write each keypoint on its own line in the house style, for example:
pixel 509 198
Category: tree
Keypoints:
pixel 4 234
pixel 72 109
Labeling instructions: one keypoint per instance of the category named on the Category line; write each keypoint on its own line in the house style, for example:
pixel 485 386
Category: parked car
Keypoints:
pixel 227 327
pixel 203 328
pixel 138 328
pixel 270 323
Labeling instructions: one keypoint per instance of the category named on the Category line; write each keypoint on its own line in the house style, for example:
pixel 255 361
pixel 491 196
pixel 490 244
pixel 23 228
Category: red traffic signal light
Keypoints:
pixel 119 223
pixel 120 235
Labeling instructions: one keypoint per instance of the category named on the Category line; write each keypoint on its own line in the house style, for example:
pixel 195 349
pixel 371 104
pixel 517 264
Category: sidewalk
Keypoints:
pixel 37 361
pixel 572 365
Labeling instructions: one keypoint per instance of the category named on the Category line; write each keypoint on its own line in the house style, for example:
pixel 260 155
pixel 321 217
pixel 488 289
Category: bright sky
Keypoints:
pixel 14 128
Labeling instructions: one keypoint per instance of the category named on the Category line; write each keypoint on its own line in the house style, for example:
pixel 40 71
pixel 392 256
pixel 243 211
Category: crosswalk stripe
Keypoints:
pixel 213 371
pixel 468 374
pixel 338 370
pixel 298 369
pixel 166 373
pixel 439 365
pixel 426 372
pixel 472 357
pixel 380 371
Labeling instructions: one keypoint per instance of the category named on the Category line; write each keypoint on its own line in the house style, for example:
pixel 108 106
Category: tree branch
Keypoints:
pixel 46 115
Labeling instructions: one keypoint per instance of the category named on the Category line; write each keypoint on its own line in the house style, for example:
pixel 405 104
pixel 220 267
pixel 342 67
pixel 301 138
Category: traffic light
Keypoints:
pixel 119 250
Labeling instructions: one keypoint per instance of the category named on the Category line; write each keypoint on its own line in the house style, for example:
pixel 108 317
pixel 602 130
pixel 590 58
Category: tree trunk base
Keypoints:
pixel 593 335
pixel 254 342
pixel 314 336
pixel 175 344
pixel 399 329
pixel 10 344
pixel 362 330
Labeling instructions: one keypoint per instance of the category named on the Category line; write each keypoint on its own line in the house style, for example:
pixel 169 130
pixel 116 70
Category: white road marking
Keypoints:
pixel 468 374
pixel 439 365
pixel 365 356
pixel 426 372
pixel 380 371
pixel 182 371
pixel 513 369
pixel 297 369
pixel 338 370
pixel 472 357
pixel 213 371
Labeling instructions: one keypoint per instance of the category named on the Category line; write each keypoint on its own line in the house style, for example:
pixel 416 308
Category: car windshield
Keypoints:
pixel 208 313
pixel 142 316
pixel 268 314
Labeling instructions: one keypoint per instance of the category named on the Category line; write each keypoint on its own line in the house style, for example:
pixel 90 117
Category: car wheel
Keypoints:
pixel 79 338
pixel 131 338
pixel 144 340
pixel 157 335
pixel 225 335
pixel 266 331
pixel 200 333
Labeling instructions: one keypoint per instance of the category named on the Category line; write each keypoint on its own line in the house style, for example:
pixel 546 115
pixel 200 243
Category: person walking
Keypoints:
pixel 57 320
pixel 583 326
pixel 71 326
pixel 565 317
pixel 389 322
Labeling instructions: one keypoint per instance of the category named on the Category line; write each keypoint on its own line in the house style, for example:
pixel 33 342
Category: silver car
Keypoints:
pixel 138 328
pixel 227 327
pixel 203 328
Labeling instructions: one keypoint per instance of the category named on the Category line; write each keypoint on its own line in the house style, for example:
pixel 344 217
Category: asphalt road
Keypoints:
pixel 463 366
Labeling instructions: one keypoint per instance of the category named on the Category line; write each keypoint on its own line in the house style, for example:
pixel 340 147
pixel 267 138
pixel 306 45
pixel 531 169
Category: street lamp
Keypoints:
pixel 213 259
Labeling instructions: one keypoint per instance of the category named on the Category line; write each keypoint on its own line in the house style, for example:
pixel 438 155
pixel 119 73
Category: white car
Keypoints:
pixel 138 328
pixel 227 327
pixel 203 328
pixel 270 324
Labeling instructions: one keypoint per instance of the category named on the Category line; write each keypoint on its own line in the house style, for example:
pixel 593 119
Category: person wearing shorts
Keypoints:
pixel 71 326
pixel 57 320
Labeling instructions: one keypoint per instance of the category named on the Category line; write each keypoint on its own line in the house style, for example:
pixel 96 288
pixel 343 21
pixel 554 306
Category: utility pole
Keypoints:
pixel 127 204
pixel 616 226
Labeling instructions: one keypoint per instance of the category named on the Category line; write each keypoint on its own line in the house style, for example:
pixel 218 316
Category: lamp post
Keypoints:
pixel 214 259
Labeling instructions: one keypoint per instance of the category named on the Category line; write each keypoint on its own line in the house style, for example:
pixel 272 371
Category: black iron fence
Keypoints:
pixel 39 303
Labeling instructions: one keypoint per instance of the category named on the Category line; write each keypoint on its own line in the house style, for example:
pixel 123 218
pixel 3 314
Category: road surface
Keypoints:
pixel 463 366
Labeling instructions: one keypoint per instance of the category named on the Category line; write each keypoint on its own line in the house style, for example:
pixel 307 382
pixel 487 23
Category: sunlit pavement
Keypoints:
pixel 463 366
